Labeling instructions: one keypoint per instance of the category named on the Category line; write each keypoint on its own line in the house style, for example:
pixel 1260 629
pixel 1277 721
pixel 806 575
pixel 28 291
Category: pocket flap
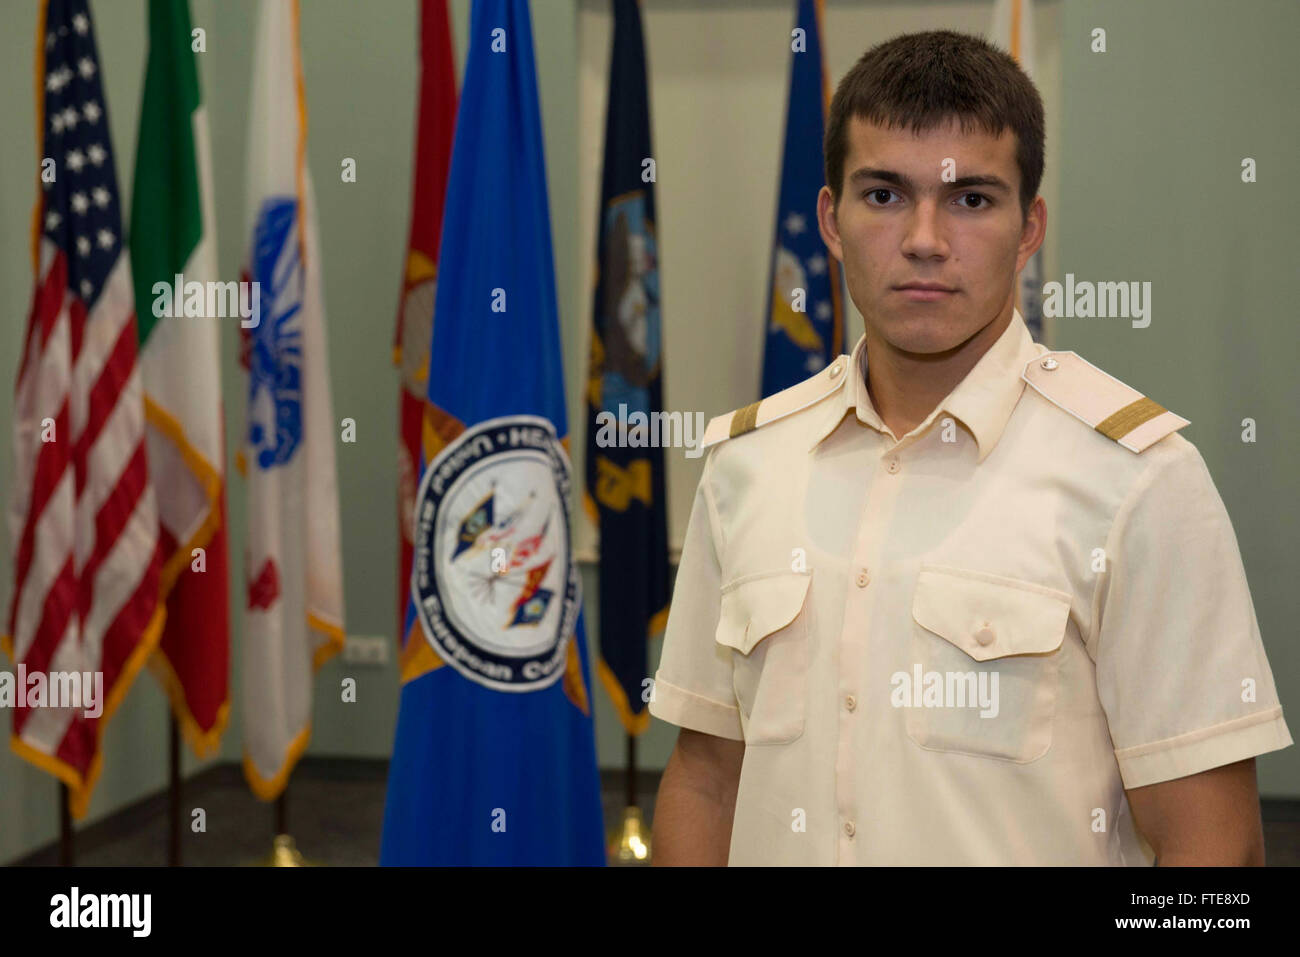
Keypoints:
pixel 756 606
pixel 989 616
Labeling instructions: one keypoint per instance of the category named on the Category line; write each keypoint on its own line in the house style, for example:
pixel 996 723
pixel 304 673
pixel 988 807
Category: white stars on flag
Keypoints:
pixel 58 79
pixel 817 264
pixel 80 215
pixel 795 224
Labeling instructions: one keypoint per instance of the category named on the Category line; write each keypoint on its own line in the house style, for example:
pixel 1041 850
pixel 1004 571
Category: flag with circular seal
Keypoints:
pixel 494 760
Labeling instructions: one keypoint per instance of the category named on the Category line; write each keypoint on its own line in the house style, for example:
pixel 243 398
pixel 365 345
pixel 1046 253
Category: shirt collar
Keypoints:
pixel 982 402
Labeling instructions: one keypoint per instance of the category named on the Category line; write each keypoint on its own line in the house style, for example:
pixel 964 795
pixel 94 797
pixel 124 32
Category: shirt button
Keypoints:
pixel 892 466
pixel 864 578
pixel 985 635
pixel 849 828
pixel 850 702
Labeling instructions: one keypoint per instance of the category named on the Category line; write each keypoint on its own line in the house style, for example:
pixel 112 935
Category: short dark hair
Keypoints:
pixel 924 80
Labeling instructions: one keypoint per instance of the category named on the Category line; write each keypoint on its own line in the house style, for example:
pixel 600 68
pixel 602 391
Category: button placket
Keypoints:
pixel 858 684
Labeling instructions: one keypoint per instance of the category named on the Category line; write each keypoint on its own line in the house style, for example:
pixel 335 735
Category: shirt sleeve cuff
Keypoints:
pixel 1201 750
pixel 689 710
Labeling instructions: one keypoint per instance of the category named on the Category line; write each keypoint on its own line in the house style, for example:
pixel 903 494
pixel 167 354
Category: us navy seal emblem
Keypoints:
pixel 493 578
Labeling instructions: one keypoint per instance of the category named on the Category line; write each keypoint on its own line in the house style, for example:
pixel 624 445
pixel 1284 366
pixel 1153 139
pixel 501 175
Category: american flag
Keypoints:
pixel 82 516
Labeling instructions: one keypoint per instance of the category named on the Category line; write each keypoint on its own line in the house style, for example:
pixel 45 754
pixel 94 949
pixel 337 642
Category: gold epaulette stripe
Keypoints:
pixel 1119 424
pixel 744 420
pixel 786 402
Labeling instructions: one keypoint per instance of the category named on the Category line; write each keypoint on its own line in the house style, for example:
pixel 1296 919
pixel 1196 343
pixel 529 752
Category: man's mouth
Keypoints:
pixel 924 291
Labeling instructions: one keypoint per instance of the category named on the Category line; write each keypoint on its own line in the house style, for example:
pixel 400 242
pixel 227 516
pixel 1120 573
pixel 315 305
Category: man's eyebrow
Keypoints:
pixel 906 182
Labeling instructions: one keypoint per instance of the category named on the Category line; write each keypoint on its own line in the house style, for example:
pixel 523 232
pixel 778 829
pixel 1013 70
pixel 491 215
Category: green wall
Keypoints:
pixel 1154 133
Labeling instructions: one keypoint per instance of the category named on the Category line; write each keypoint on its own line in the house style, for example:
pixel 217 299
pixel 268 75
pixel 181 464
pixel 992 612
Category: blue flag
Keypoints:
pixel 624 492
pixel 494 761
pixel 805 313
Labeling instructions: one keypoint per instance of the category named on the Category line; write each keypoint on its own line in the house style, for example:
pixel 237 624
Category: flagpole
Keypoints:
pixel 65 828
pixel 283 851
pixel 631 770
pixel 633 843
pixel 174 793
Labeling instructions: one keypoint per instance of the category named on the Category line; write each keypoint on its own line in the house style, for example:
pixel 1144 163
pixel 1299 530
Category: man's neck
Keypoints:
pixel 905 387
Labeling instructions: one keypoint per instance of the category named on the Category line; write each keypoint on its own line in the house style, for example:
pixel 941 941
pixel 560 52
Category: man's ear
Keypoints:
pixel 1033 232
pixel 827 225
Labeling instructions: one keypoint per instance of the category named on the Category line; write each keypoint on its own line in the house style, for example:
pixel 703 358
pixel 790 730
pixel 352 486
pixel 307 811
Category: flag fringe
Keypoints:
pixel 417 657
pixel 268 789
pixel 207 476
pixel 81 787
pixel 335 639
pixel 634 724
pixel 202 742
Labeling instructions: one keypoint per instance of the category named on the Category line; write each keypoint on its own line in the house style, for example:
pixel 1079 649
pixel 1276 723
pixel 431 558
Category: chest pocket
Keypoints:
pixel 994 644
pixel 764 619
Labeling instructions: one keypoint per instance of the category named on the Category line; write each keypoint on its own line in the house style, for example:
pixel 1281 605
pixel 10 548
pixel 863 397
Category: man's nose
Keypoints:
pixel 925 237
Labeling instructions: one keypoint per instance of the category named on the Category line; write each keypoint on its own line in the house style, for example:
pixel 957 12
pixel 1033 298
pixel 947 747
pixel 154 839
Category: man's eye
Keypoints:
pixel 983 200
pixel 880 194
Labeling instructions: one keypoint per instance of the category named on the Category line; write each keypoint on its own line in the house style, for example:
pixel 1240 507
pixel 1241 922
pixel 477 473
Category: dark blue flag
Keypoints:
pixel 624 493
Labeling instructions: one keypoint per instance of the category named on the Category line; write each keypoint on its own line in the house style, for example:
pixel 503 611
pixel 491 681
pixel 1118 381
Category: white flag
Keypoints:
pixel 294 566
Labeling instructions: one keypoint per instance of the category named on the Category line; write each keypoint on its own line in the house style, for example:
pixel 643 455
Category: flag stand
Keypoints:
pixel 174 794
pixel 65 828
pixel 634 842
pixel 283 851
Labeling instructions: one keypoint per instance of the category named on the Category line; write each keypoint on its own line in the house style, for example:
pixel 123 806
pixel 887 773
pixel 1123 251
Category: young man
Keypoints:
pixel 956 599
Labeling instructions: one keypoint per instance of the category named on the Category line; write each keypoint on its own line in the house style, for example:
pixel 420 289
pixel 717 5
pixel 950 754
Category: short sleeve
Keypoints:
pixel 693 686
pixel 1181 669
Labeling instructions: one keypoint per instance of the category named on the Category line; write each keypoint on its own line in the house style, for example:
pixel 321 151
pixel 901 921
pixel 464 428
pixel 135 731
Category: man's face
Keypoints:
pixel 940 209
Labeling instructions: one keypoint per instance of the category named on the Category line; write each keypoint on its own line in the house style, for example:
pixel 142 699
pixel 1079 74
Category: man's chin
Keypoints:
pixel 921 335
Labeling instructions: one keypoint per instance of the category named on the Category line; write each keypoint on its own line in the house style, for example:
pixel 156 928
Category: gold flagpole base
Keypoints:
pixel 284 854
pixel 633 844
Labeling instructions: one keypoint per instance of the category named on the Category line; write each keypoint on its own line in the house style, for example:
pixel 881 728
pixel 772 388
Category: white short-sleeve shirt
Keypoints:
pixel 960 646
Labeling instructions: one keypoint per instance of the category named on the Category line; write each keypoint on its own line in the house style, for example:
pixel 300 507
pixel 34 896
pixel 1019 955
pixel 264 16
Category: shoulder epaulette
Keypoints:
pixel 1100 401
pixel 778 405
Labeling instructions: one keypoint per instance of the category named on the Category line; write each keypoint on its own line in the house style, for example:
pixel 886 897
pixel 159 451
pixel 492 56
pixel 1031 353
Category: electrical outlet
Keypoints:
pixel 366 650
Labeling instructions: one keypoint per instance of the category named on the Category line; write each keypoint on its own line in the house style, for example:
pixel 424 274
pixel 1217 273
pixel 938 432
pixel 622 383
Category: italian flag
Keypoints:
pixel 172 232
